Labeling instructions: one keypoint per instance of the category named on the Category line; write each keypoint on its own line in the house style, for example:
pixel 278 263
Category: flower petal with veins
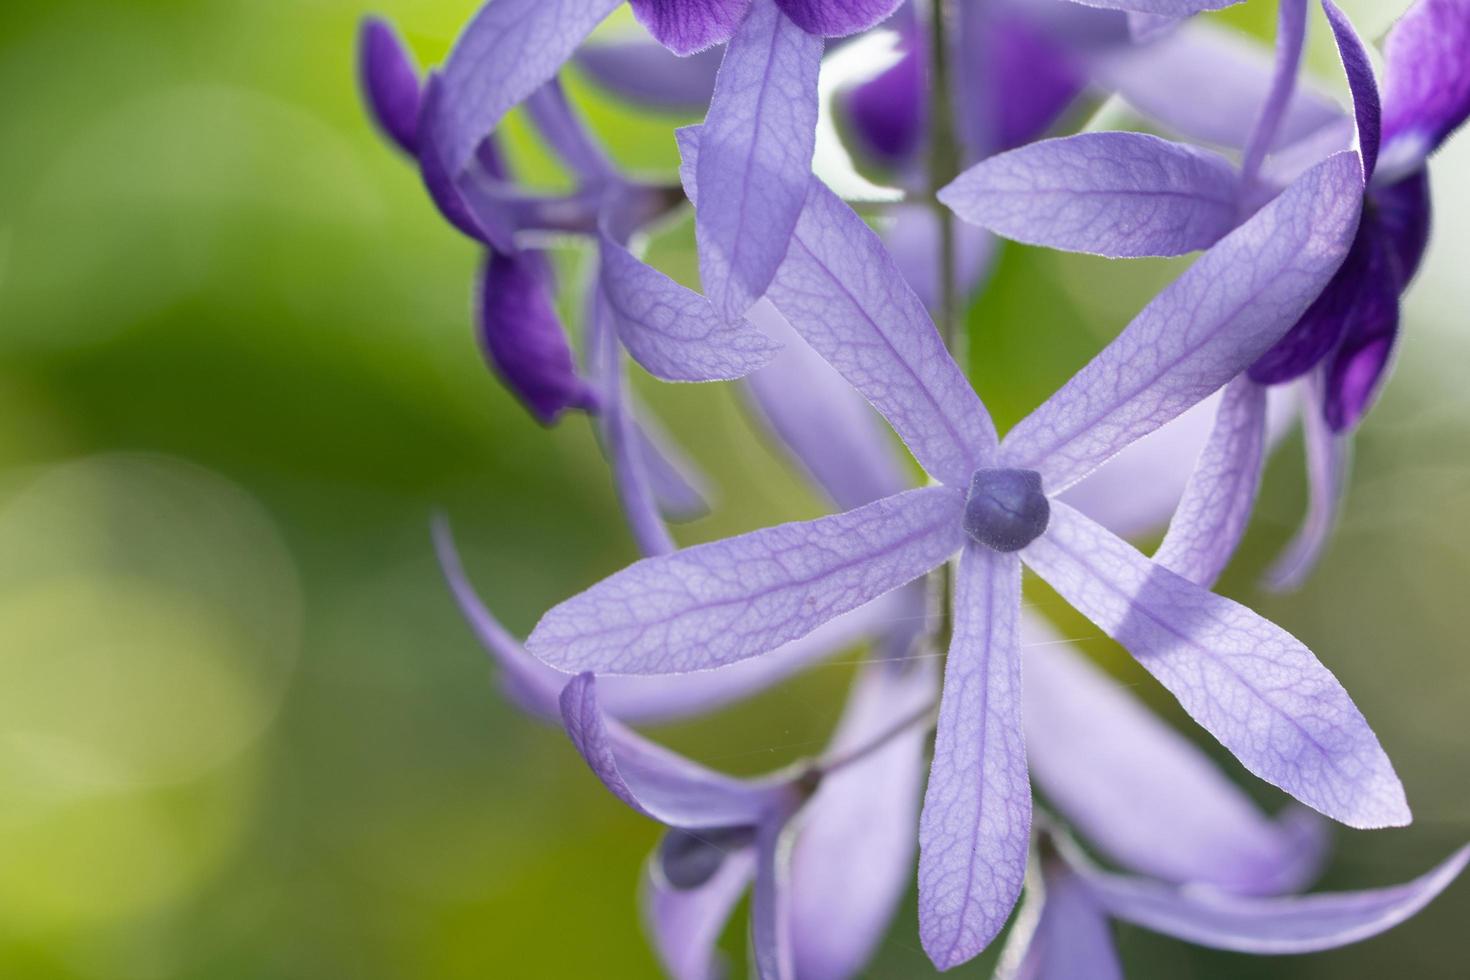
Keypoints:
pixel 1245 680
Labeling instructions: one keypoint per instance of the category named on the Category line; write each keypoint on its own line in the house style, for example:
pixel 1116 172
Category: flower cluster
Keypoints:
pixel 1311 222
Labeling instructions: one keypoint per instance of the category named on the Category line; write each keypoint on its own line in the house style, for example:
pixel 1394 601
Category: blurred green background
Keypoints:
pixel 243 733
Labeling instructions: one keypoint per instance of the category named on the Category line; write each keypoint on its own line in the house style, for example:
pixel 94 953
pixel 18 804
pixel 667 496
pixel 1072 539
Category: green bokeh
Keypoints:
pixel 243 733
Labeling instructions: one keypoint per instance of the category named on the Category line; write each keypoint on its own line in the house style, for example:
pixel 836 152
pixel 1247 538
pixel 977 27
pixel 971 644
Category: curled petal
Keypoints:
pixel 717 603
pixel 1426 92
pixel 672 331
pixel 1208 83
pixel 1061 933
pixel 1237 300
pixel 1367 110
pixel 566 134
pixel 689 26
pixel 976 825
pixel 685 923
pixel 1329 457
pixel 1245 680
pixel 522 336
pixel 1291 32
pixel 756 147
pixel 1269 926
pixel 482 216
pixel 1120 195
pixel 833 434
pixel 654 781
pixel 1140 792
pixel 678 486
pixel 508 50
pixel 1221 492
pixel 643 73
pixel 853 858
pixel 390 82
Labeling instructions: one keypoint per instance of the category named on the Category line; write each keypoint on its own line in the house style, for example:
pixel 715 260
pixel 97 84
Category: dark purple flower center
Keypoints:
pixel 1006 509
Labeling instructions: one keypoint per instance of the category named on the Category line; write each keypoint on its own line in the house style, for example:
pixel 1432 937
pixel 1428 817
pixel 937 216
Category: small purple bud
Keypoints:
pixel 689 858
pixel 390 82
pixel 1006 509
pixel 522 336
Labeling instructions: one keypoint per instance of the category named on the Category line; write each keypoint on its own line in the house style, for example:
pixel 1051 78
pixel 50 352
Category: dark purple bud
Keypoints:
pixel 1403 214
pixel 885 115
pixel 689 858
pixel 1359 365
pixel 1322 326
pixel 1014 80
pixel 390 82
pixel 1006 509
pixel 522 336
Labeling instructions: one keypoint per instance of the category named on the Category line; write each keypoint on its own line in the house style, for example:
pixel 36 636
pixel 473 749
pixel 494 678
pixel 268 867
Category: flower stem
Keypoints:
pixel 944 165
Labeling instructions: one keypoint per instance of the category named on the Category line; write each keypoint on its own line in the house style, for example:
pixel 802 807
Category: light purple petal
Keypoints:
pixel 976 825
pixel 390 82
pixel 756 147
pixel 620 440
pixel 1237 300
pixel 1140 792
pixel 1329 457
pixel 1121 195
pixel 1270 926
pixel 829 430
pixel 508 50
pixel 1162 8
pixel 535 687
pixel 1245 680
pixel 1426 91
pixel 688 26
pixel 1217 501
pixel 674 332
pixel 677 483
pixel 1208 83
pixel 1060 934
pixel 566 134
pixel 1150 27
pixel 837 18
pixel 685 924
pixel 853 858
pixel 716 603
pixel 770 900
pixel 654 781
pixel 646 75
pixel 1367 110
pixel 522 337
pixel 1291 32
pixel 483 217
pixel 665 697
pixel 841 290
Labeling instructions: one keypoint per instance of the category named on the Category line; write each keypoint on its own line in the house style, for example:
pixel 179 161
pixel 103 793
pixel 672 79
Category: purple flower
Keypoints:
pixel 760 129
pixel 727 601
pixel 1126 194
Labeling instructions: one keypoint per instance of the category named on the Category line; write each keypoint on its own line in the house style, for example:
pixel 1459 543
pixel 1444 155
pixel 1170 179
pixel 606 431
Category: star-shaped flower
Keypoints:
pixel 1252 685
